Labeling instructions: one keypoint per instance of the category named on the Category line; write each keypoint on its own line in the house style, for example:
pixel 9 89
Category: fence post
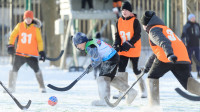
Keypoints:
pixel 28 5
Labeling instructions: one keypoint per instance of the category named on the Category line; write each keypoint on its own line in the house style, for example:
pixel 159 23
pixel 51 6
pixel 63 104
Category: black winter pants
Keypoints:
pixel 109 67
pixel 20 60
pixel 83 3
pixel 180 71
pixel 124 61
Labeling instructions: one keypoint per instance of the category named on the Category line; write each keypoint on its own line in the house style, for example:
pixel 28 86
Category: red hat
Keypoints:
pixel 29 14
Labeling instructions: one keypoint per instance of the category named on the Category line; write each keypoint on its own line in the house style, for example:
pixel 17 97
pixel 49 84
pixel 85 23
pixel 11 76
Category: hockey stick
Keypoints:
pixel 121 97
pixel 15 100
pixel 67 87
pixel 195 60
pixel 48 58
pixel 187 96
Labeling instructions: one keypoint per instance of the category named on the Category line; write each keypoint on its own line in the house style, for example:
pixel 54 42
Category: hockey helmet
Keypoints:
pixel 79 38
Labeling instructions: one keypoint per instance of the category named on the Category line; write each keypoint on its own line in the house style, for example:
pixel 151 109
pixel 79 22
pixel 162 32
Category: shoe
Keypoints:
pixel 131 96
pixel 99 103
pixel 43 90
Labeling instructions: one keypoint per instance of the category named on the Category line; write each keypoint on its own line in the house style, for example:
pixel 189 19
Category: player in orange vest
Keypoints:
pixel 29 41
pixel 128 44
pixel 169 54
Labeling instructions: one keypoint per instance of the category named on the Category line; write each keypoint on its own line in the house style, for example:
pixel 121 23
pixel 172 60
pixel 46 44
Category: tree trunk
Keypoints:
pixel 49 15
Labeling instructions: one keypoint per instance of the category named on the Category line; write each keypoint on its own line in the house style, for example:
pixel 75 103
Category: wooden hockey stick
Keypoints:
pixel 15 100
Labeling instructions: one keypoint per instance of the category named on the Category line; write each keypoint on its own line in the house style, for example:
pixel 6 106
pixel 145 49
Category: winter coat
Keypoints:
pixel 156 37
pixel 136 37
pixel 191 34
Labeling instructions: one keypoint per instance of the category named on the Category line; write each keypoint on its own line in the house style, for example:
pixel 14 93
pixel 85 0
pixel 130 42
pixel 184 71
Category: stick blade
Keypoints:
pixel 57 88
pixel 27 106
pixel 108 102
pixel 187 96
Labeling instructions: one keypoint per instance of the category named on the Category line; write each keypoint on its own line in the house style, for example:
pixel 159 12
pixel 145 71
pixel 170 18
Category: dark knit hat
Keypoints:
pixel 147 17
pixel 126 5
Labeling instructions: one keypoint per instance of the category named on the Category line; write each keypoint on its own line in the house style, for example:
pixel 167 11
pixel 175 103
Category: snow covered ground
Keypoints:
pixel 79 98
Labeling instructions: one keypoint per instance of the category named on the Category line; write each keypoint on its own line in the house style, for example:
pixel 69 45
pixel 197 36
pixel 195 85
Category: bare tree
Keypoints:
pixel 49 15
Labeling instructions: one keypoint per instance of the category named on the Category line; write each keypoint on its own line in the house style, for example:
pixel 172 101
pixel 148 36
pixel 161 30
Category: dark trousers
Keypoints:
pixel 84 3
pixel 109 67
pixel 124 61
pixel 20 60
pixel 194 50
pixel 180 71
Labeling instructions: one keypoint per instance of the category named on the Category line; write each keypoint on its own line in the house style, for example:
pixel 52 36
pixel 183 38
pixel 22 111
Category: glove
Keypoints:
pixel 42 56
pixel 11 49
pixel 89 69
pixel 172 58
pixel 117 48
pixel 126 46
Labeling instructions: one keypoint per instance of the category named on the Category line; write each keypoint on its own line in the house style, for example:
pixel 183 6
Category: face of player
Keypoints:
pixel 192 19
pixel 126 13
pixel 28 20
pixel 81 46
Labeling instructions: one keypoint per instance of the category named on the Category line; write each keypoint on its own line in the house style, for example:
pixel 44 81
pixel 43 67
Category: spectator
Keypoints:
pixel 83 3
pixel 190 37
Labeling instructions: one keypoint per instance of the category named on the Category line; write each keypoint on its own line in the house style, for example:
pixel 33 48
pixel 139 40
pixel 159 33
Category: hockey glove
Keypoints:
pixel 42 56
pixel 89 69
pixel 172 58
pixel 11 49
pixel 126 46
pixel 117 48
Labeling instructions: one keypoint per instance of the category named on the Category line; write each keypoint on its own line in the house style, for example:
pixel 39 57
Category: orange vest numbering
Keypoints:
pixel 27 42
pixel 178 47
pixel 126 32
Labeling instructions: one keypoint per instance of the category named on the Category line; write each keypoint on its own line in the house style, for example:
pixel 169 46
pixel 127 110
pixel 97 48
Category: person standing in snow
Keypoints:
pixel 29 41
pixel 128 44
pixel 190 37
pixel 102 53
pixel 169 54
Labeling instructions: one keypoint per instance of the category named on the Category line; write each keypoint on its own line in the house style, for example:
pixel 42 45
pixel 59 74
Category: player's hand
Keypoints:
pixel 172 58
pixel 11 49
pixel 42 55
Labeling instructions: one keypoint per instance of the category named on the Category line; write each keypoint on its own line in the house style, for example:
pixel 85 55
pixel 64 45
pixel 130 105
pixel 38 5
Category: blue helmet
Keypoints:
pixel 79 38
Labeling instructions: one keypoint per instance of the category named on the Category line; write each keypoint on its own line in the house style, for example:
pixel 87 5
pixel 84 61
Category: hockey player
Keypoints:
pixel 128 44
pixel 29 42
pixel 104 54
pixel 169 54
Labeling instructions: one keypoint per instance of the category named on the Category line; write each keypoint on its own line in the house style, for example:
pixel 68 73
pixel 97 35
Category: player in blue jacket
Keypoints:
pixel 102 53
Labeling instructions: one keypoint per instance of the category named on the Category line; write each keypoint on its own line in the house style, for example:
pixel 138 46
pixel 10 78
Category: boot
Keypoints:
pixel 123 86
pixel 40 81
pixel 142 87
pixel 103 89
pixel 153 92
pixel 193 86
pixel 12 81
pixel 123 76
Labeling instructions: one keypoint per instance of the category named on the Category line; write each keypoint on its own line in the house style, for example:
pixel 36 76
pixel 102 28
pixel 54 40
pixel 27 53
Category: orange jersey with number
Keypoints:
pixel 178 47
pixel 126 33
pixel 29 39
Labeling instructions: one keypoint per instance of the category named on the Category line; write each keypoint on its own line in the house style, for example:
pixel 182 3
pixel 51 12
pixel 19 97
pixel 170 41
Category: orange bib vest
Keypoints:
pixel 126 32
pixel 27 42
pixel 178 47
